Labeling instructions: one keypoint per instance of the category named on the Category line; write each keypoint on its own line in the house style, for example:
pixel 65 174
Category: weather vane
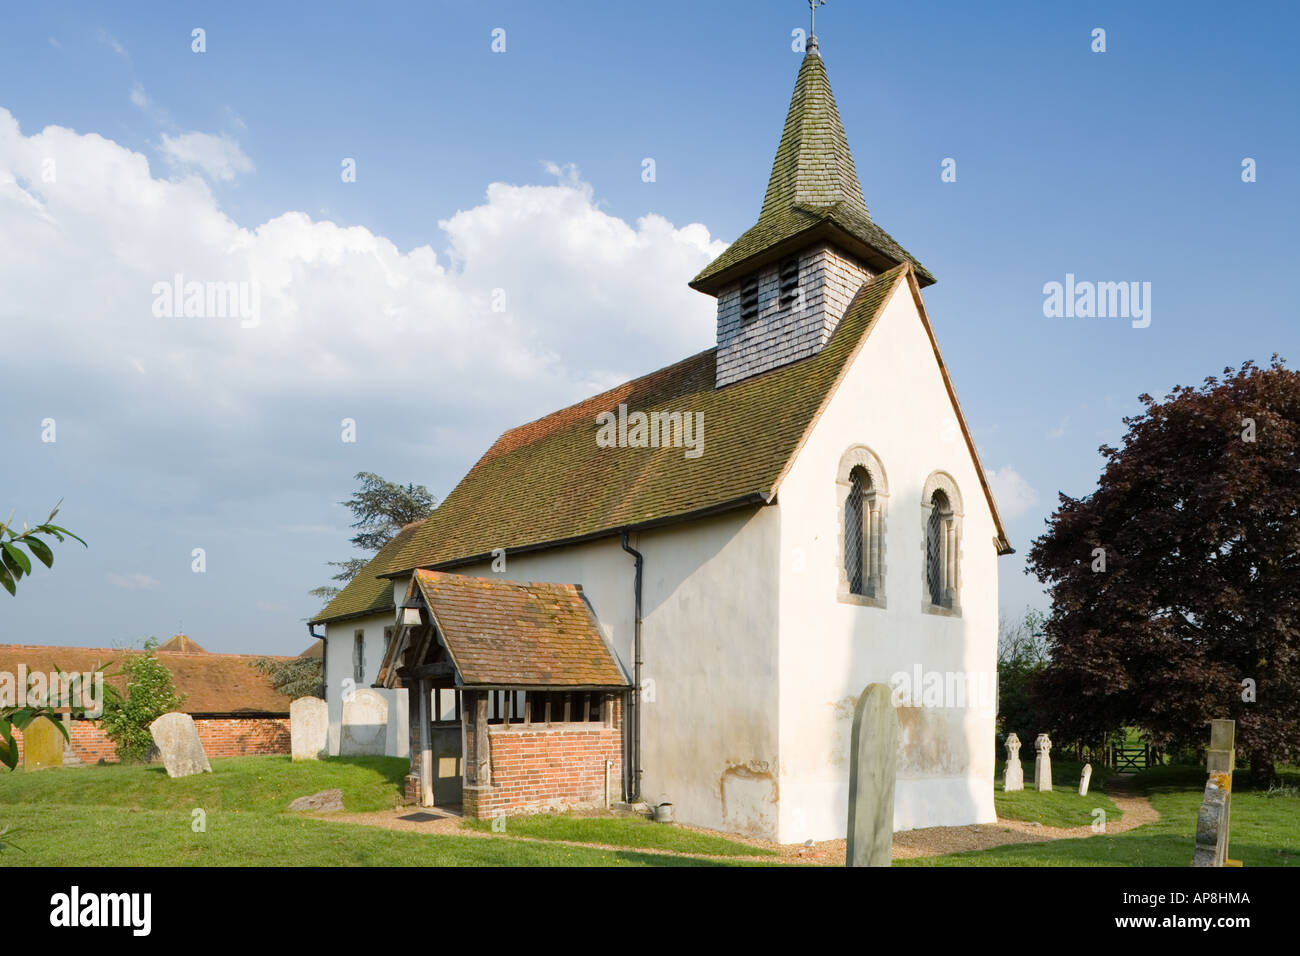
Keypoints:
pixel 812 6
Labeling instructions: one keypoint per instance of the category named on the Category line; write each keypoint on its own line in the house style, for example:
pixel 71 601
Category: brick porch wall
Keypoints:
pixel 220 736
pixel 556 767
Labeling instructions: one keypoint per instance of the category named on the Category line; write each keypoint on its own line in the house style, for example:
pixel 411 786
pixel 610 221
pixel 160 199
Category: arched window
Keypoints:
pixel 942 507
pixel 861 499
pixel 936 548
pixel 855 531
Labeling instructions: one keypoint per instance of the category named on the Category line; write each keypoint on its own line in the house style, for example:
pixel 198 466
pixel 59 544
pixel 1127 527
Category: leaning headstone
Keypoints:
pixel 178 743
pixel 309 723
pixel 365 724
pixel 42 745
pixel 1214 816
pixel 1043 763
pixel 1013 776
pixel 1085 780
pixel 326 800
pixel 873 764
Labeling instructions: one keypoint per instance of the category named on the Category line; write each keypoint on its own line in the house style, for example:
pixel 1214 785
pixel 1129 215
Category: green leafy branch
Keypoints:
pixel 14 562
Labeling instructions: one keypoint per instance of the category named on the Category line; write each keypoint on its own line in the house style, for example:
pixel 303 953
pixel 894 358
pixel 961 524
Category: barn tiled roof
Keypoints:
pixel 213 684
pixel 813 192
pixel 517 634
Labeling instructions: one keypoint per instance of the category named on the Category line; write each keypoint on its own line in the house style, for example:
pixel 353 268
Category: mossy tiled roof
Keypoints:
pixel 549 481
pixel 366 593
pixel 813 186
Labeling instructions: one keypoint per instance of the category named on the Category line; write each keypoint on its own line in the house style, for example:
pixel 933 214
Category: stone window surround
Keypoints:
pixel 942 481
pixel 359 656
pixel 875 500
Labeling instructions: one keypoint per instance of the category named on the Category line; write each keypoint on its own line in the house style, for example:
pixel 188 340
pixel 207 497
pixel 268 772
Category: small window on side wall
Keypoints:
pixel 359 657
pixel 861 496
pixel 941 507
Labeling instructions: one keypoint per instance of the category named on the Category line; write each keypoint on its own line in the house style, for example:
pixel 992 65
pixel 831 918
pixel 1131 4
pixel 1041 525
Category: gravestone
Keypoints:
pixel 1214 816
pixel 325 801
pixel 1043 763
pixel 1013 776
pixel 1085 780
pixel 365 724
pixel 309 723
pixel 873 764
pixel 178 743
pixel 42 745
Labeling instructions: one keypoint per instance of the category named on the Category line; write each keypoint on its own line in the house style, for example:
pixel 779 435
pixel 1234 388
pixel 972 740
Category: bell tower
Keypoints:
pixel 784 285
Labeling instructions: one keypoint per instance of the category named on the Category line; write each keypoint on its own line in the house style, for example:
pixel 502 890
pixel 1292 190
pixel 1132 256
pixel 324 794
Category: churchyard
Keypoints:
pixel 238 815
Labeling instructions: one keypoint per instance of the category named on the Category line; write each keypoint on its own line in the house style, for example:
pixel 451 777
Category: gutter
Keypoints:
pixel 633 772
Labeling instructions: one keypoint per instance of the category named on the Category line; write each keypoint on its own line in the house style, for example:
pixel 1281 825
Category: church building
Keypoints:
pixel 674 591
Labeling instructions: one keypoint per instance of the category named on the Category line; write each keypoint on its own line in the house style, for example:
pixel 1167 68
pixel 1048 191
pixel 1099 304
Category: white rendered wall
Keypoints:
pixel 893 401
pixel 338 663
pixel 709 608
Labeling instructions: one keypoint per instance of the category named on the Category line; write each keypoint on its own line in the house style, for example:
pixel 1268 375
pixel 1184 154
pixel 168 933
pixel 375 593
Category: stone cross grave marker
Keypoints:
pixel 1212 820
pixel 178 742
pixel 873 765
pixel 1043 762
pixel 1085 780
pixel 1013 775
pixel 42 745
pixel 308 728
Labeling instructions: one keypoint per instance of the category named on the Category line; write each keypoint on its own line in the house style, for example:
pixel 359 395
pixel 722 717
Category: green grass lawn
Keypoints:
pixel 112 836
pixel 1265 830
pixel 138 816
pixel 623 832
pixel 237 784
pixel 1062 807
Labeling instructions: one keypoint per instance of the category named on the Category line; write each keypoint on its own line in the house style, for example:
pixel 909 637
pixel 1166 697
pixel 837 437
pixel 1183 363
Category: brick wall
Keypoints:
pixel 221 737
pixel 553 767
pixel 828 280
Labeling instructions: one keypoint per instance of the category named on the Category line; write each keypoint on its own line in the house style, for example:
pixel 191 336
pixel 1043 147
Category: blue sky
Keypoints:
pixel 1115 166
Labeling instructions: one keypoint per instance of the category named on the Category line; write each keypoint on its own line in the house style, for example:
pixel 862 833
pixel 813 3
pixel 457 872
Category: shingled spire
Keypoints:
pixel 813 166
pixel 783 286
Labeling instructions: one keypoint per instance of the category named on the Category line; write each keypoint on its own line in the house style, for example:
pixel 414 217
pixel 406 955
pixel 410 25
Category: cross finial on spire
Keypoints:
pixel 812 6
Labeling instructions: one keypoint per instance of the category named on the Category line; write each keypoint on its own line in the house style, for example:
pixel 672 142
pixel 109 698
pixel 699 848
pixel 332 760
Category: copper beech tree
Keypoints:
pixel 1176 584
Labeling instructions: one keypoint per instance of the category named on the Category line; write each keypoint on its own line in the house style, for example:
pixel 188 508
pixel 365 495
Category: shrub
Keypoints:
pixel 149 694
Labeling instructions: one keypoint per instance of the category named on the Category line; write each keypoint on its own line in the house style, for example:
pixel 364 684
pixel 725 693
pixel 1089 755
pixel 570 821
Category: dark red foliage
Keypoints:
pixel 1201 532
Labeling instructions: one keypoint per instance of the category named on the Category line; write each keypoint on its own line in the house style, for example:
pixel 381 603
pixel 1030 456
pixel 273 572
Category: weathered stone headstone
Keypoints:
pixel 1085 780
pixel 1043 763
pixel 873 764
pixel 1214 816
pixel 178 743
pixel 1013 776
pixel 365 724
pixel 326 800
pixel 42 745
pixel 309 723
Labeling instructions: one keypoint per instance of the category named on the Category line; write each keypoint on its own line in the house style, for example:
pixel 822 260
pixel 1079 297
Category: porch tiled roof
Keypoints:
pixel 517 634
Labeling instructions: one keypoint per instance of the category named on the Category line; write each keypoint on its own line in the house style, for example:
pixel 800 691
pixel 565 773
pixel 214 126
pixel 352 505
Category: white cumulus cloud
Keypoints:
pixel 536 299
pixel 1013 494
pixel 216 156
